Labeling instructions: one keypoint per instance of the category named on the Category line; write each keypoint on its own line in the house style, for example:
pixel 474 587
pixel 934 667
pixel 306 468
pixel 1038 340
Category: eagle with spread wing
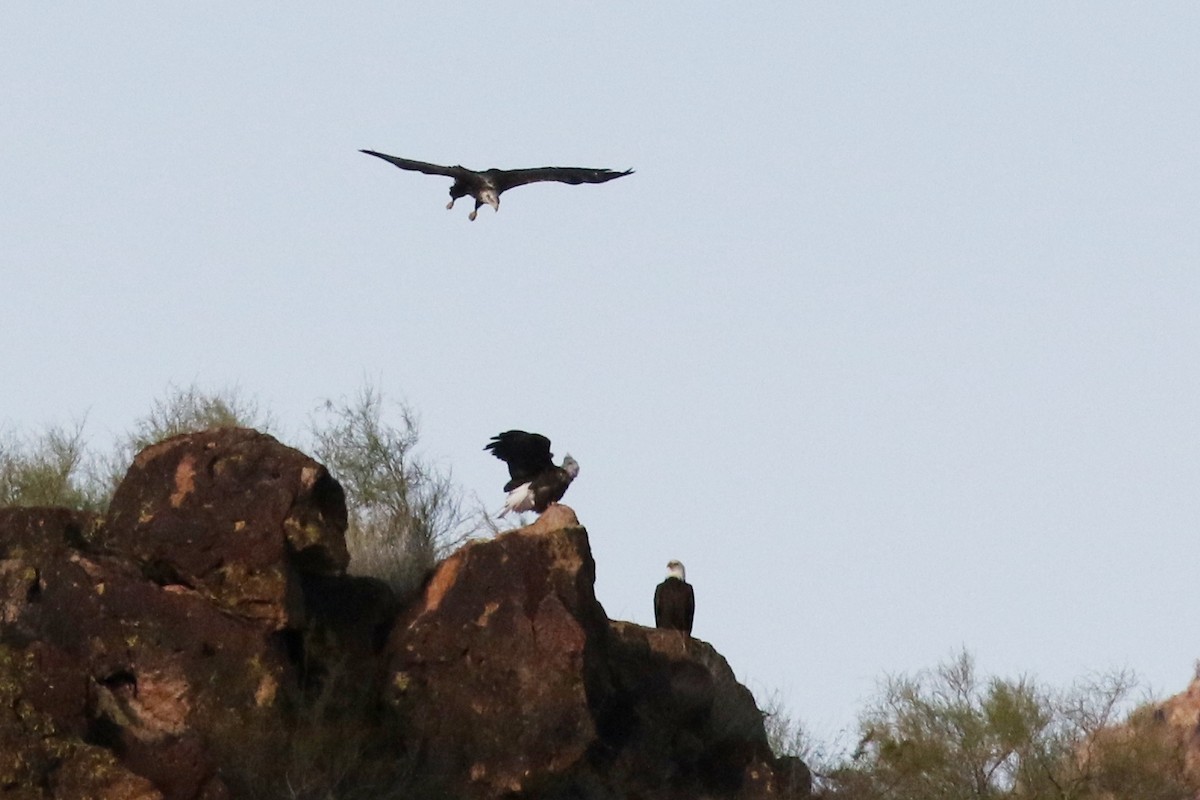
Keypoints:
pixel 535 482
pixel 487 186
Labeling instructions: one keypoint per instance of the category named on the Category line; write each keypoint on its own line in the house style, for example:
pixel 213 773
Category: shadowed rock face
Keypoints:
pixel 689 721
pixel 147 654
pixel 45 689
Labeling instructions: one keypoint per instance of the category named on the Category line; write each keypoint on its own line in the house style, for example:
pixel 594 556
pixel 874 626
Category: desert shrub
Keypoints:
pixel 948 733
pixel 180 410
pixel 190 409
pixel 801 760
pixel 404 514
pixel 50 468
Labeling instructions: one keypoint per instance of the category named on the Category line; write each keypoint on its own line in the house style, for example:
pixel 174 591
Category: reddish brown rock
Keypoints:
pixel 495 663
pixel 91 773
pixel 233 514
pixel 44 689
pixel 113 659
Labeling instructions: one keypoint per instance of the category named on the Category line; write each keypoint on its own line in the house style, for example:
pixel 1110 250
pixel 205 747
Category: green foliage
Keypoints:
pixel 404 513
pixel 190 409
pixel 946 733
pixel 49 469
pixel 182 410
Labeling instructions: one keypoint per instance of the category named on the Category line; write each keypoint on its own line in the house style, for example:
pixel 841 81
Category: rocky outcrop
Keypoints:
pixel 497 663
pixel 514 678
pixel 160 631
pixel 201 641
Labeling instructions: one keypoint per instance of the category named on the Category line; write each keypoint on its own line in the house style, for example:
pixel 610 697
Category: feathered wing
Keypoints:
pixel 674 605
pixel 509 178
pixel 659 612
pixel 421 166
pixel 527 455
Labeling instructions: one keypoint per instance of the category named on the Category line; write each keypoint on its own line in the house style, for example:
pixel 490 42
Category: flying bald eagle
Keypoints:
pixel 535 482
pixel 487 186
pixel 674 601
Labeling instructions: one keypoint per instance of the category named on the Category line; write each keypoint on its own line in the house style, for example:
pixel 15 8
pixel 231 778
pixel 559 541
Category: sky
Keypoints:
pixel 893 338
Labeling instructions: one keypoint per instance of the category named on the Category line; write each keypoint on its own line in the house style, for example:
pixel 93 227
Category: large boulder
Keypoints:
pixel 497 663
pixel 233 514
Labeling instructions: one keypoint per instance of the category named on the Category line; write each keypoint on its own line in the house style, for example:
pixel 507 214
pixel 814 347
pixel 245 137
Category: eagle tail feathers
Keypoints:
pixel 519 499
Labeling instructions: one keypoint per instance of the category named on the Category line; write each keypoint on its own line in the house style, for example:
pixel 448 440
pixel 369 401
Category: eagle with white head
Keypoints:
pixel 674 601
pixel 535 483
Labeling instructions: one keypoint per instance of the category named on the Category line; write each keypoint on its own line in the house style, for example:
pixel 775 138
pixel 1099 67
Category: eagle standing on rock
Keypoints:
pixel 674 601
pixel 536 483
pixel 487 186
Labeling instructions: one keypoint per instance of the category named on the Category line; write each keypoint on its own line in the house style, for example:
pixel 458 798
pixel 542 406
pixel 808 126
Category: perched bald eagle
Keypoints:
pixel 674 601
pixel 535 482
pixel 487 186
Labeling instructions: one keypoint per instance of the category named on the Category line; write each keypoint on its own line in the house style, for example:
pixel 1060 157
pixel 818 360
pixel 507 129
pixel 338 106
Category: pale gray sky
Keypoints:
pixel 893 339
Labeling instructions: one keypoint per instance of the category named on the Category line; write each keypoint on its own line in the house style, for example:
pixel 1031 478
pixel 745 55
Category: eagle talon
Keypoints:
pixel 450 205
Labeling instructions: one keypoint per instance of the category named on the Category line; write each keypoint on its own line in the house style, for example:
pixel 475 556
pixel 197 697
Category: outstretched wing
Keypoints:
pixel 421 166
pixel 527 455
pixel 508 178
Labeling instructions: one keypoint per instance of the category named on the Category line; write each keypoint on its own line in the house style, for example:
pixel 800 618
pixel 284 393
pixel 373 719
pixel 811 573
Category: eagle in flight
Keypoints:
pixel 487 186
pixel 535 482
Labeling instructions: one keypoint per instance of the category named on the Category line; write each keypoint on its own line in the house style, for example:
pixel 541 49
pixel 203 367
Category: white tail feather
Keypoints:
pixel 519 500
